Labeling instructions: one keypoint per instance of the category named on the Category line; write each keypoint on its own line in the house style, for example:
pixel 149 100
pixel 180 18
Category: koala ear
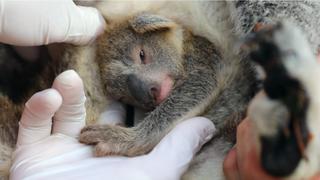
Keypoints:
pixel 148 22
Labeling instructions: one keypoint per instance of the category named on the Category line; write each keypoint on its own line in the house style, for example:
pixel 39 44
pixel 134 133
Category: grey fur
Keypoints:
pixel 218 80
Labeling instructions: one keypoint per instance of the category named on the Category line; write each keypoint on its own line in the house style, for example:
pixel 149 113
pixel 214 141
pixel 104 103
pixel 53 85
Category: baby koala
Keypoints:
pixel 155 63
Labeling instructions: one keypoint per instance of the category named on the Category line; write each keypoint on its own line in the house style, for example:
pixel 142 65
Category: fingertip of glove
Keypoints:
pixel 68 80
pixel 205 124
pixel 93 25
pixel 44 102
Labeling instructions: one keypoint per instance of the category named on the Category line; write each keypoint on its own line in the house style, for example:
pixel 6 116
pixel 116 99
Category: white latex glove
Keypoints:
pixel 39 22
pixel 114 114
pixel 46 153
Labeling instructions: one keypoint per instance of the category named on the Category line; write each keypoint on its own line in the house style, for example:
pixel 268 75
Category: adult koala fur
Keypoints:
pixel 208 76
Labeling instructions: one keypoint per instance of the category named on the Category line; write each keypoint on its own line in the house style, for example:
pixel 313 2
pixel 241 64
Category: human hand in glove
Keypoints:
pixel 48 148
pixel 34 22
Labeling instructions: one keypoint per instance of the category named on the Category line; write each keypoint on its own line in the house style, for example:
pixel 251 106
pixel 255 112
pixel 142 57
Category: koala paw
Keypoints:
pixel 113 140
pixel 92 134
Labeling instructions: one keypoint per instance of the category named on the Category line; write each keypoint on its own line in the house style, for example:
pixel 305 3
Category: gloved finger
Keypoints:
pixel 75 24
pixel 84 24
pixel 36 119
pixel 70 118
pixel 176 150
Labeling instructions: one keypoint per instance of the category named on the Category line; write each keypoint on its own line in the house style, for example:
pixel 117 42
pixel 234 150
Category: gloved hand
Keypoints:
pixel 35 22
pixel 49 149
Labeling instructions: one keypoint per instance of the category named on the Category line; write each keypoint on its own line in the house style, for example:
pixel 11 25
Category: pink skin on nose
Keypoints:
pixel 165 89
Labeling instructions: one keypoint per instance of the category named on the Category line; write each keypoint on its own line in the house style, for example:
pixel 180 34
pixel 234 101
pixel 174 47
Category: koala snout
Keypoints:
pixel 141 90
pixel 149 93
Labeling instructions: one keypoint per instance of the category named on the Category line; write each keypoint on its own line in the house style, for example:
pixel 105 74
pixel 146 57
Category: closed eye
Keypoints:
pixel 142 56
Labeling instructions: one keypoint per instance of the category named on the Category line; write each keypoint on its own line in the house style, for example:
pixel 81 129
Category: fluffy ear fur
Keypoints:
pixel 148 22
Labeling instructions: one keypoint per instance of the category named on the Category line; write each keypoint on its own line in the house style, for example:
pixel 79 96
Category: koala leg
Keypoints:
pixel 117 140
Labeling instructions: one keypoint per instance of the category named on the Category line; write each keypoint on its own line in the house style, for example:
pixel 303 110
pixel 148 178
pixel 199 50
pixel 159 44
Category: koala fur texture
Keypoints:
pixel 177 60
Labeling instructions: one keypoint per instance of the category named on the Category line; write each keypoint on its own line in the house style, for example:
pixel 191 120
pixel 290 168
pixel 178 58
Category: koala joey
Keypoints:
pixel 155 63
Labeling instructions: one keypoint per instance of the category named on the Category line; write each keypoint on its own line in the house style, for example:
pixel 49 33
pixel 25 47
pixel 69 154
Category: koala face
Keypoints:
pixel 141 59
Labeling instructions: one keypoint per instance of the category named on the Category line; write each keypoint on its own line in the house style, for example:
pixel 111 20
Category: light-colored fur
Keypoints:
pixel 305 67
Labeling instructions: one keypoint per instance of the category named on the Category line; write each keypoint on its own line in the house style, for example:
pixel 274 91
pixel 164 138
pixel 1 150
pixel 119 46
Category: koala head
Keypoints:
pixel 141 59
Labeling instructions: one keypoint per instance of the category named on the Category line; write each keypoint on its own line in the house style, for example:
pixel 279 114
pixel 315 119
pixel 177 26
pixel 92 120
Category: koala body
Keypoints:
pixel 161 66
pixel 176 60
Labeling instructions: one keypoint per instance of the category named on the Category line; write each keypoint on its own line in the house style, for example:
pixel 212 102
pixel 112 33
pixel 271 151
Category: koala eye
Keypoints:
pixel 142 56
